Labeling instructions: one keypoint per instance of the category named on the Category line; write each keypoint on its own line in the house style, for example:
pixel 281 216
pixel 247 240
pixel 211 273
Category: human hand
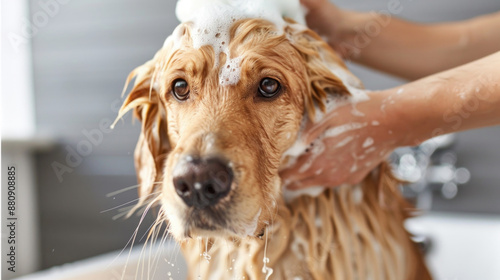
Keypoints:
pixel 347 145
pixel 335 25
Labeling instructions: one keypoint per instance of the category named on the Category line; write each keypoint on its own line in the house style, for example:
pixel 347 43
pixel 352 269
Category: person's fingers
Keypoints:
pixel 333 175
pixel 293 186
pixel 339 116
pixel 329 176
pixel 312 4
pixel 356 178
pixel 301 169
pixel 315 181
pixel 314 130
pixel 315 165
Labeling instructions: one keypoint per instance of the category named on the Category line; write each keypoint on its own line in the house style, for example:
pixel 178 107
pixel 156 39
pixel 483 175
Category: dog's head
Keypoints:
pixel 216 125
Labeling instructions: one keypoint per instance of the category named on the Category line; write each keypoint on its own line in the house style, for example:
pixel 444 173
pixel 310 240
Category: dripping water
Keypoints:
pixel 265 269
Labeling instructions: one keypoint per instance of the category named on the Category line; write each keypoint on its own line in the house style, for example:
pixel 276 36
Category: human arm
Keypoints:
pixel 462 98
pixel 402 48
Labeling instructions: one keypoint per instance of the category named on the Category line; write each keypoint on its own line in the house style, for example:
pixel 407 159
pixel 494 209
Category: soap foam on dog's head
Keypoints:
pixel 212 19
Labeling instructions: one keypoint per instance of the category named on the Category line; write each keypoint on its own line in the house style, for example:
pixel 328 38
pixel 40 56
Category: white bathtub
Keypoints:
pixel 156 264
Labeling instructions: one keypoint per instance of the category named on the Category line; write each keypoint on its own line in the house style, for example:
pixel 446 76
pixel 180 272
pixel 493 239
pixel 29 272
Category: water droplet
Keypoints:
pixel 207 257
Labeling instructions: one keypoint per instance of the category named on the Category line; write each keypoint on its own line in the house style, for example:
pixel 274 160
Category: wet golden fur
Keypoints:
pixel 332 236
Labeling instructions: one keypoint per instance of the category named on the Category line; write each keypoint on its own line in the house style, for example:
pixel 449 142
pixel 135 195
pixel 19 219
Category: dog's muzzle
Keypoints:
pixel 202 182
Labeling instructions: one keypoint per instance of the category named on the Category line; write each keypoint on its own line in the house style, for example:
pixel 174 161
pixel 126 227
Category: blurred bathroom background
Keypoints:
pixel 64 64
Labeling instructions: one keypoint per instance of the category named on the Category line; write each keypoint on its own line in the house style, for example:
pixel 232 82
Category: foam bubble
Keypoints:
pixel 272 10
pixel 211 21
pixel 370 150
pixel 353 85
pixel 230 72
pixel 310 191
pixel 357 194
pixel 335 131
pixel 344 142
pixel 368 142
pixel 318 147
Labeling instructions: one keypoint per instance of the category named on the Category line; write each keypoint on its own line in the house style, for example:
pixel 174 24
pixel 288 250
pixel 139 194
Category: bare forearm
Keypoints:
pixel 412 50
pixel 462 98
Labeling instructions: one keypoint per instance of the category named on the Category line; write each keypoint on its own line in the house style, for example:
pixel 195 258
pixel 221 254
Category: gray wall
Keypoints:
pixel 81 59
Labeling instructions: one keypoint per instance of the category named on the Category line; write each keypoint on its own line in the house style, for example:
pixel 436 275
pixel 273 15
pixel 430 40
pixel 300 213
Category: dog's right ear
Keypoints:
pixel 153 145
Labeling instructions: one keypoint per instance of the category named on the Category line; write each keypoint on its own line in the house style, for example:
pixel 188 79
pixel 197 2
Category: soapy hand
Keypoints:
pixel 345 146
pixel 348 146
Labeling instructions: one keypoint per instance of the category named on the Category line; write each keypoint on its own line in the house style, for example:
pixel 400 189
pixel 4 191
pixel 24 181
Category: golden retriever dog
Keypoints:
pixel 214 139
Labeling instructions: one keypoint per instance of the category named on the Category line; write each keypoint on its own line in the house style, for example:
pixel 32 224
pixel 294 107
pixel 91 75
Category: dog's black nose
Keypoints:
pixel 202 182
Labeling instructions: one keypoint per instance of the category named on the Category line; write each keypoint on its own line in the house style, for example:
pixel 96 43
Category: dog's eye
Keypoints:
pixel 269 87
pixel 180 89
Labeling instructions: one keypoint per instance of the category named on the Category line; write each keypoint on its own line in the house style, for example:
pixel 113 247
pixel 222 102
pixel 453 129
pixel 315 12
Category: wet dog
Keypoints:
pixel 217 127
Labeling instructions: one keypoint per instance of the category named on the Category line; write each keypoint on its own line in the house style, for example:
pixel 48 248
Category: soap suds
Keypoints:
pixel 299 243
pixel 384 103
pixel 230 72
pixel 317 148
pixel 368 142
pixel 336 131
pixel 211 21
pixel 353 85
pixel 344 142
pixel 370 150
pixel 310 191
pixel 265 269
pixel 357 194
pixel 299 146
pixel 354 168
pixel 318 222
pixel 206 255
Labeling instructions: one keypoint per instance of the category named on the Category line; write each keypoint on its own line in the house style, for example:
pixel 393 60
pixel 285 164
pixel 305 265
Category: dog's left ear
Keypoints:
pixel 326 71
pixel 153 144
